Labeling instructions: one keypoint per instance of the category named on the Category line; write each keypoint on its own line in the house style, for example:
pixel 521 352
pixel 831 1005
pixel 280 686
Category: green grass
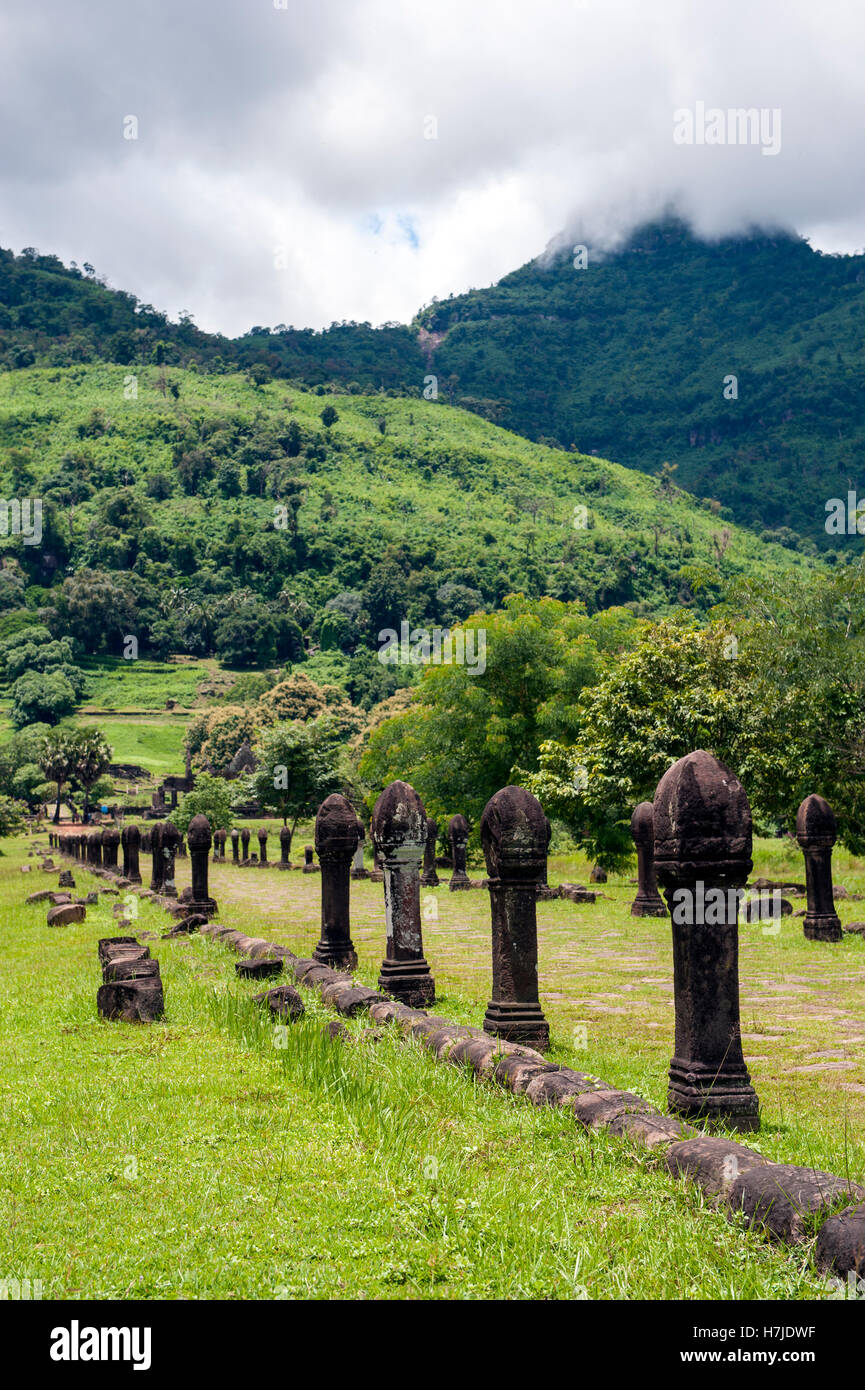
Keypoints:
pixel 200 1158
pixel 122 686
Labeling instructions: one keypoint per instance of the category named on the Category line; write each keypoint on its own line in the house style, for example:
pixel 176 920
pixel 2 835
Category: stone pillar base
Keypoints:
pixel 342 956
pixel 280 865
pixel 648 907
pixel 728 1098
pixel 429 880
pixel 359 873
pixel 311 869
pixel 376 876
pixel 208 907
pixel 826 927
pixel 409 981
pixel 518 1023
pixel 459 881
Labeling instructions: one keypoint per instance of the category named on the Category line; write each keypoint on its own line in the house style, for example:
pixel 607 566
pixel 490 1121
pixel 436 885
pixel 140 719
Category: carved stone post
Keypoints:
pixel 648 902
pixel 458 834
pixel 285 848
pixel 309 867
pixel 429 878
pixel 110 846
pixel 515 834
pixel 156 858
pixel 399 831
pixel 244 840
pixel 702 824
pixel 131 840
pixel 357 868
pixel 199 839
pixel 262 847
pixel 235 839
pixel 817 831
pixel 218 845
pixel 94 848
pixel 335 841
pixel 170 843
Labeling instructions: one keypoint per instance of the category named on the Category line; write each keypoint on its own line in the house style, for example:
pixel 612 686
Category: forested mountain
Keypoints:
pixel 631 356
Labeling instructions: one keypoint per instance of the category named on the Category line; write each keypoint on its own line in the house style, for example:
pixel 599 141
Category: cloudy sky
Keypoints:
pixel 303 161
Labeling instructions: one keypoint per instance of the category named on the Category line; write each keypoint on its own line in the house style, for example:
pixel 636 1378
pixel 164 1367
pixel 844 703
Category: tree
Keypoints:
pixel 11 816
pixel 41 698
pixel 92 756
pixel 297 769
pixel 57 757
pixel 211 797
pixel 329 416
pixel 467 729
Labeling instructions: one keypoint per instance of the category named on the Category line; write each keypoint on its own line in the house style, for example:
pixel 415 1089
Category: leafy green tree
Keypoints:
pixel 41 698
pixel 464 733
pixel 11 816
pixel 92 756
pixel 212 797
pixel 297 768
pixel 329 416
pixel 57 757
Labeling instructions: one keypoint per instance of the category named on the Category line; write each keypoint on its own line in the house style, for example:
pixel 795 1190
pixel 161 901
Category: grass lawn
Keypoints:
pixel 154 742
pixel 122 686
pixel 198 1158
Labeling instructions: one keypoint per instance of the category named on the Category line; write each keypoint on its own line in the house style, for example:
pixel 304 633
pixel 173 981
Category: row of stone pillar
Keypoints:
pixel 816 832
pixel 163 841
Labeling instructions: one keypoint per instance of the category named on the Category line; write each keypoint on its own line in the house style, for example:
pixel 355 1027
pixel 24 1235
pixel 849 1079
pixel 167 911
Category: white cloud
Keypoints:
pixel 304 128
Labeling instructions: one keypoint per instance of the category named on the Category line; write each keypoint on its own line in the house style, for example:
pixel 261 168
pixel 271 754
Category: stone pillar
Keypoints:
pixel 235 837
pixel 308 866
pixel 218 845
pixel 515 834
pixel 648 902
pixel 399 831
pixel 702 826
pixel 145 842
pixel 110 846
pixel 199 839
pixel 335 841
pixel 458 834
pixel 156 857
pixel 181 848
pixel 285 848
pixel 376 873
pixel 262 847
pixel 131 840
pixel 244 840
pixel 170 842
pixel 94 848
pixel 357 868
pixel 429 878
pixel 817 831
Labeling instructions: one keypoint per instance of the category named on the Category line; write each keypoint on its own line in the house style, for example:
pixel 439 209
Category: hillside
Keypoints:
pixel 626 359
pixel 211 517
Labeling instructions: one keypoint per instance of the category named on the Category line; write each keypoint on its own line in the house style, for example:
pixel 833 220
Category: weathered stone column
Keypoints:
pixel 218 845
pixel 429 878
pixel 458 834
pixel 817 831
pixel 199 839
pixel 285 848
pixel 399 832
pixel 156 857
pixel 235 840
pixel 702 824
pixel 357 868
pixel 244 840
pixel 648 902
pixel 515 834
pixel 131 840
pixel 309 867
pixel 335 841
pixel 110 845
pixel 262 847
pixel 170 843
pixel 145 842
pixel 94 848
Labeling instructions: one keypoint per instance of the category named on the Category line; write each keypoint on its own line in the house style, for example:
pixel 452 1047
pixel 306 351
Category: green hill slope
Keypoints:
pixel 227 520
